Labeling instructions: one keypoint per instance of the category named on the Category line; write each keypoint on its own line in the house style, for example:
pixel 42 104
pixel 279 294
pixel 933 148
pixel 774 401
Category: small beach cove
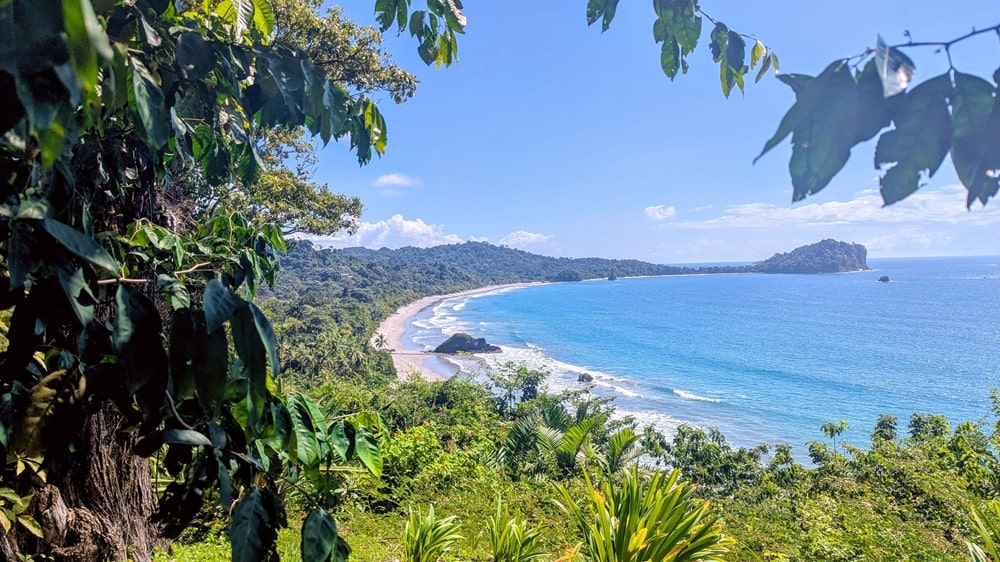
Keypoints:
pixel 407 357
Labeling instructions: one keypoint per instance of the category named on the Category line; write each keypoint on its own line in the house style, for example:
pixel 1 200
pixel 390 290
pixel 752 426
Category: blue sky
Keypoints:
pixel 552 137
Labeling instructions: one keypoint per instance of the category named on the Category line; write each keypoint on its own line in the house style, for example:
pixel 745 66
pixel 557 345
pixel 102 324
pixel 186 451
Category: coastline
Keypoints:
pixel 408 360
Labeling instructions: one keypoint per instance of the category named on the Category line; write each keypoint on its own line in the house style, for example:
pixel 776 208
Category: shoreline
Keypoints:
pixel 408 360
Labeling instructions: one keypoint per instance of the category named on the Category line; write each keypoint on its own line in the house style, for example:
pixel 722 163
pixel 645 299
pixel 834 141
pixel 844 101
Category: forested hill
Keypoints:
pixel 500 264
pixel 389 278
pixel 826 256
pixel 375 275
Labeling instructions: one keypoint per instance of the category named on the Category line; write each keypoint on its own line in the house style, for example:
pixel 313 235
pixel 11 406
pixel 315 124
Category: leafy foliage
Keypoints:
pixel 105 259
pixel 427 537
pixel 655 520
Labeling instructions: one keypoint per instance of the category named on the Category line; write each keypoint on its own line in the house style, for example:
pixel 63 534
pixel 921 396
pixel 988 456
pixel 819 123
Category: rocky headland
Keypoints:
pixel 827 256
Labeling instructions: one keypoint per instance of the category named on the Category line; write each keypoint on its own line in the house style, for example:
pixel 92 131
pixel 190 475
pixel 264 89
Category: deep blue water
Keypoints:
pixel 765 358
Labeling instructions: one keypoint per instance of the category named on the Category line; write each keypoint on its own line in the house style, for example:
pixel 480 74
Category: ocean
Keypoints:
pixel 764 358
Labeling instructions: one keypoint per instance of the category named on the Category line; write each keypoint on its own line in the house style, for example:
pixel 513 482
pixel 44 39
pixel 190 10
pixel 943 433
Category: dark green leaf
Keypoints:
pixel 975 149
pixel 80 245
pixel 194 55
pixel 183 356
pixel 137 338
pixel 267 337
pixel 822 141
pixel 872 114
pixel 149 104
pixel 319 536
pixel 598 9
pixel 417 23
pixel 78 292
pixel 221 305
pixel 254 529
pixel 186 437
pixel 253 354
pixel 211 368
pixel 719 38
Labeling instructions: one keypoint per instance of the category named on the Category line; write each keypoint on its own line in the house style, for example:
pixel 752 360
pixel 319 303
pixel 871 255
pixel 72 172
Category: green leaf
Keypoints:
pixel 598 9
pixel 86 40
pixel 149 104
pixel 305 427
pixel 822 140
pixel 211 367
pixel 267 337
pixel 30 525
pixel 138 340
pixel 731 67
pixel 194 55
pixel 757 53
pixel 80 245
pixel 366 448
pixel 719 38
pixel 221 305
pixel 319 536
pixel 253 354
pixel 77 291
pixel 340 441
pixel 678 28
pixel 254 528
pixel 263 18
pixel 975 149
pixel 763 69
pixel 186 437
pixel 54 388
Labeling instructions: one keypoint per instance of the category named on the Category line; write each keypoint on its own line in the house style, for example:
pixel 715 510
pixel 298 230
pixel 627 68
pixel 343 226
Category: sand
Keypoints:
pixel 408 360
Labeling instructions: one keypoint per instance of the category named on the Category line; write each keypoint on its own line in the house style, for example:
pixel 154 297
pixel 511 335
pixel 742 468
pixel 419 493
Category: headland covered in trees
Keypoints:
pixel 414 279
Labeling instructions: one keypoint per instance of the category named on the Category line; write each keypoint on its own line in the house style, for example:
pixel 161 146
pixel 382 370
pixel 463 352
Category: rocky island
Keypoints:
pixel 827 256
pixel 464 343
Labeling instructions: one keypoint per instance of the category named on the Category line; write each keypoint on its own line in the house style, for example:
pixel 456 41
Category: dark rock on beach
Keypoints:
pixel 585 377
pixel 464 343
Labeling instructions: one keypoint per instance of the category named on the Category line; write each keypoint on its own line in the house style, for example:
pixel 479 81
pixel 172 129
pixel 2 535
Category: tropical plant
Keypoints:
pixel 639 520
pixel 623 449
pixel 125 310
pixel 427 537
pixel 987 526
pixel 510 538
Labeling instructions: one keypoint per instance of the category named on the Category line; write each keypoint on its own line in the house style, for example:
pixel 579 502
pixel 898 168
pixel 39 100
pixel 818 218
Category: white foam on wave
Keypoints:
pixel 692 396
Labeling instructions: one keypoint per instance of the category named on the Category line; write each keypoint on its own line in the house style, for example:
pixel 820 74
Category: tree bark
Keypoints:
pixel 101 508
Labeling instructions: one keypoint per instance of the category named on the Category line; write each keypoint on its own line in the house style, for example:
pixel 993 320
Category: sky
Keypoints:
pixel 554 138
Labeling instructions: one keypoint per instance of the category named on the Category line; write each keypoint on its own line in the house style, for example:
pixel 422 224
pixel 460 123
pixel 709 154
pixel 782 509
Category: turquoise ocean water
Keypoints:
pixel 765 358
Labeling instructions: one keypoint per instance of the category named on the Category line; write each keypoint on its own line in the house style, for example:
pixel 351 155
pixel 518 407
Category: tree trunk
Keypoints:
pixel 101 509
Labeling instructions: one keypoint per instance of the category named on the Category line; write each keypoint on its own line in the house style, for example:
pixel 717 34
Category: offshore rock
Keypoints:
pixel 464 343
pixel 883 279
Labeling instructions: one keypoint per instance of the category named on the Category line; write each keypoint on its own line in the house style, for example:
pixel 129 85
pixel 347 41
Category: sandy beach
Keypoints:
pixel 408 360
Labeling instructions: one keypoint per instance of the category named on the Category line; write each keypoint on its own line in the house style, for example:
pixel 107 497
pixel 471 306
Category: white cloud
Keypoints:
pixel 945 206
pixel 395 232
pixel 391 185
pixel 661 213
pixel 522 239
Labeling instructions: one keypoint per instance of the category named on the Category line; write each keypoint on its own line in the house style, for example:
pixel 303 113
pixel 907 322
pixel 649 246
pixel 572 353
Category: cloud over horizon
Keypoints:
pixel 661 212
pixel 396 232
pixel 522 239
